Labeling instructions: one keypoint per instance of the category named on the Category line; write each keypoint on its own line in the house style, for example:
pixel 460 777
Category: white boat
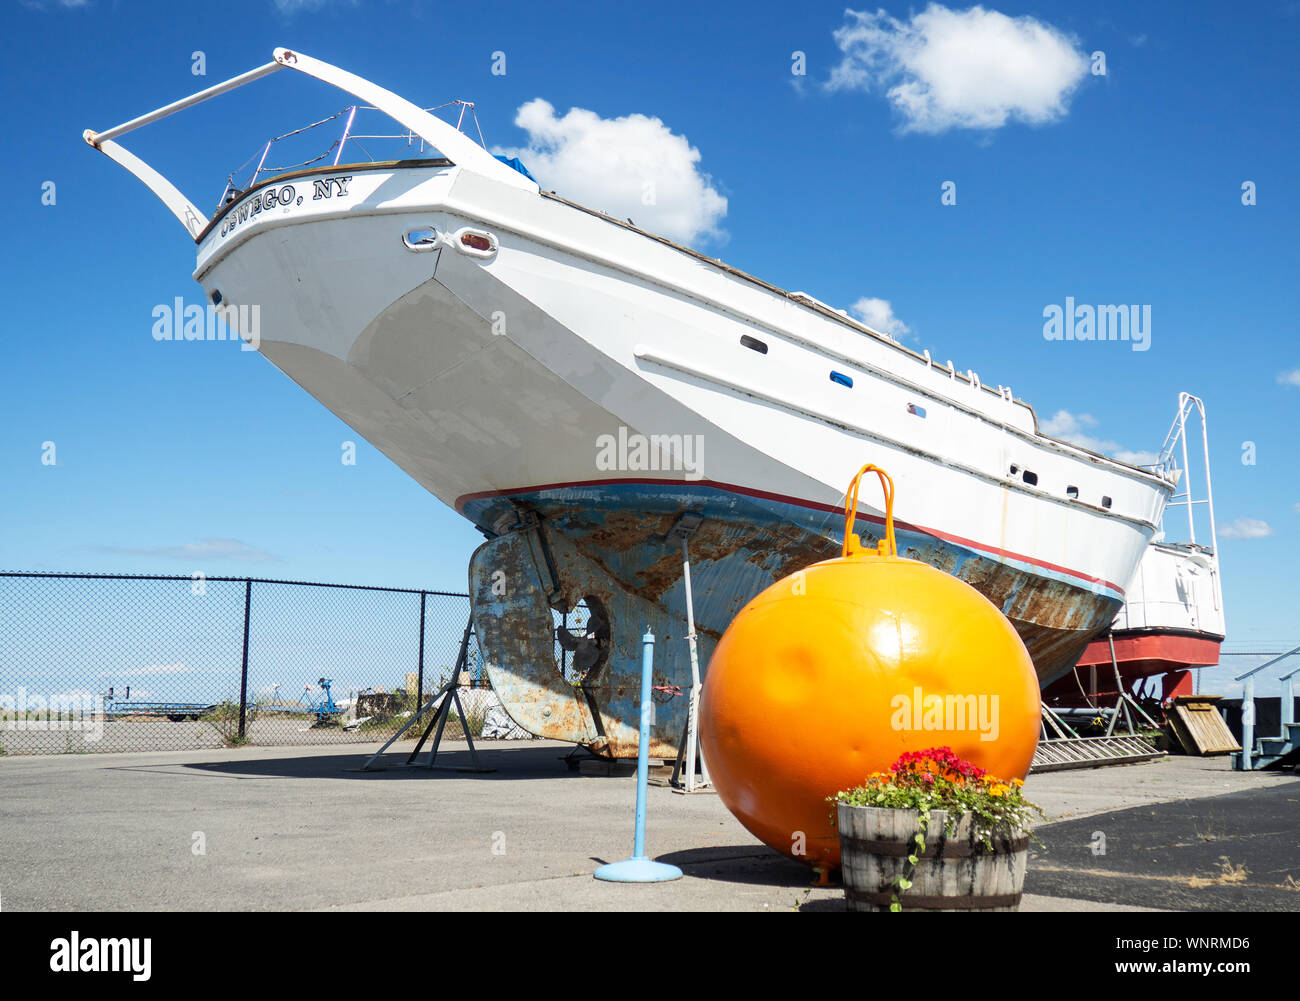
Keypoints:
pixel 581 389
pixel 1172 621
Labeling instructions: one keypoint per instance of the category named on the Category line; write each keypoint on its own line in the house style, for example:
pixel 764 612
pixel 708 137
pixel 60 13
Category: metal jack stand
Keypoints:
pixel 448 695
pixel 1068 750
pixel 1125 700
pixel 688 750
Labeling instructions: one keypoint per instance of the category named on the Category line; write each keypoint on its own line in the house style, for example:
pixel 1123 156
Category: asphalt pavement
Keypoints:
pixel 304 829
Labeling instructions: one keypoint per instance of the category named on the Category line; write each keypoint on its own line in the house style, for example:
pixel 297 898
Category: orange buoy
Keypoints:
pixel 833 672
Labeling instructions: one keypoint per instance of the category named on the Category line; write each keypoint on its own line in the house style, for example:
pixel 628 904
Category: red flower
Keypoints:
pixel 937 761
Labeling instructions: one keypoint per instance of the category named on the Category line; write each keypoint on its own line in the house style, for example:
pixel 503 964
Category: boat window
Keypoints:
pixel 753 343
pixel 842 379
pixel 1105 502
pixel 1030 478
pixel 1072 493
pixel 915 411
pixel 1015 470
pixel 420 239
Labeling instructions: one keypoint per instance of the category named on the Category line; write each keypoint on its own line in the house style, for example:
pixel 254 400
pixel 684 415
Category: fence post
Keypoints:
pixel 1247 724
pixel 419 684
pixel 243 671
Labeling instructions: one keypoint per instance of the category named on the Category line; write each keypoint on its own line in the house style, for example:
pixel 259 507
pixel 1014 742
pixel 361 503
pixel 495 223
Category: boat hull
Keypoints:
pixel 1171 623
pixel 499 383
pixel 1139 655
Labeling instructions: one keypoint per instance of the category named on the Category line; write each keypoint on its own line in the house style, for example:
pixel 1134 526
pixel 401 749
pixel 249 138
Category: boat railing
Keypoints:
pixel 1173 456
pixel 1248 703
pixel 236 186
pixel 453 144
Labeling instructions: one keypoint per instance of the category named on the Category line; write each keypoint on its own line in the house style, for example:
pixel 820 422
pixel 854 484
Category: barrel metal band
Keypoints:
pixel 919 902
pixel 936 849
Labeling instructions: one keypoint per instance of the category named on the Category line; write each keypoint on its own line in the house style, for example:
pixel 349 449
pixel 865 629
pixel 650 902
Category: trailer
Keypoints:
pixel 177 712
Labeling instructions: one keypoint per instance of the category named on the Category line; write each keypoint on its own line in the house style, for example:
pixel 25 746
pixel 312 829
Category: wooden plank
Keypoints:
pixel 1198 726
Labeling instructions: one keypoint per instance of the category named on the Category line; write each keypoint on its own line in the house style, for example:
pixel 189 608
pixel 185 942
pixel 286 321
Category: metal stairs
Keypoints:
pixel 1269 750
pixel 1261 752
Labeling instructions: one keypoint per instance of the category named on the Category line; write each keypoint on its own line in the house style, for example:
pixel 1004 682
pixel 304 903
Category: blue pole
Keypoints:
pixel 642 749
pixel 638 868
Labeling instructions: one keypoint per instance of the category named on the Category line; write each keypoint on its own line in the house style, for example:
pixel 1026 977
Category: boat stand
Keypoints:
pixel 686 777
pixel 445 697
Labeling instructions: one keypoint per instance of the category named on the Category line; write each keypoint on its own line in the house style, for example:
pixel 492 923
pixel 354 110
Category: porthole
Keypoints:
pixel 421 239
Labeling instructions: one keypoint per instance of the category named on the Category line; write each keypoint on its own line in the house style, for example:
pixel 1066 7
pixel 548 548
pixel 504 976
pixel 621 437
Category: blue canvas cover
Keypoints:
pixel 513 161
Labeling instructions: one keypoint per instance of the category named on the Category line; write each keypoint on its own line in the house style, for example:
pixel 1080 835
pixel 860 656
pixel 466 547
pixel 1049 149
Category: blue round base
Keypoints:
pixel 638 870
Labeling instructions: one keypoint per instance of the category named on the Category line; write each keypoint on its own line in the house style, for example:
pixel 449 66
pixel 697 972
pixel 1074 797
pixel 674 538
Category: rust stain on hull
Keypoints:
pixel 626 557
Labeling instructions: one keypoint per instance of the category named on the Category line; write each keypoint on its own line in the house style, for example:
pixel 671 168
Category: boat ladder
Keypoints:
pixel 1068 750
pixel 1061 747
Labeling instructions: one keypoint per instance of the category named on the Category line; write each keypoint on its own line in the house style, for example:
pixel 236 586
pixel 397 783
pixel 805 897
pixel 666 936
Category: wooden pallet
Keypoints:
pixel 1198 726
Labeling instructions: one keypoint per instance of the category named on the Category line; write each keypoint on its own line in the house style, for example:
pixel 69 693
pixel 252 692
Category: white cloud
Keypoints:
pixel 1072 428
pixel 1291 378
pixel 152 669
pixel 631 167
pixel 1063 423
pixel 208 549
pixel 878 314
pixel 971 69
pixel 1246 528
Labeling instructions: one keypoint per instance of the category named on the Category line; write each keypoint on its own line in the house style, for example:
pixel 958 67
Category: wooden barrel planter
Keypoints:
pixel 956 872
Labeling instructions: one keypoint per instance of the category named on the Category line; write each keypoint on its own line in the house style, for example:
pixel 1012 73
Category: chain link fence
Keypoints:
pixel 111 663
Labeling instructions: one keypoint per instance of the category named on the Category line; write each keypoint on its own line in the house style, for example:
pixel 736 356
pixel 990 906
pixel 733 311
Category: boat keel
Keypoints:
pixel 515 581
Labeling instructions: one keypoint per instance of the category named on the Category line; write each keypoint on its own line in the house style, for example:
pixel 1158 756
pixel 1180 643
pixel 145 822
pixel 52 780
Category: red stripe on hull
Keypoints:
pixel 812 505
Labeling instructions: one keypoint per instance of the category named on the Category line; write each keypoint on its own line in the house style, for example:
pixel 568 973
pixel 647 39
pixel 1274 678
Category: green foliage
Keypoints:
pixel 224 718
pixel 937 779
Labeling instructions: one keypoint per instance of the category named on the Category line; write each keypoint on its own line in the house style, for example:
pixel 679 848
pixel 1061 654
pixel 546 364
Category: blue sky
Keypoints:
pixel 1122 188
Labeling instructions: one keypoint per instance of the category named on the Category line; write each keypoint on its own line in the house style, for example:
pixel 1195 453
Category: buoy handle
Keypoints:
pixel 852 543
